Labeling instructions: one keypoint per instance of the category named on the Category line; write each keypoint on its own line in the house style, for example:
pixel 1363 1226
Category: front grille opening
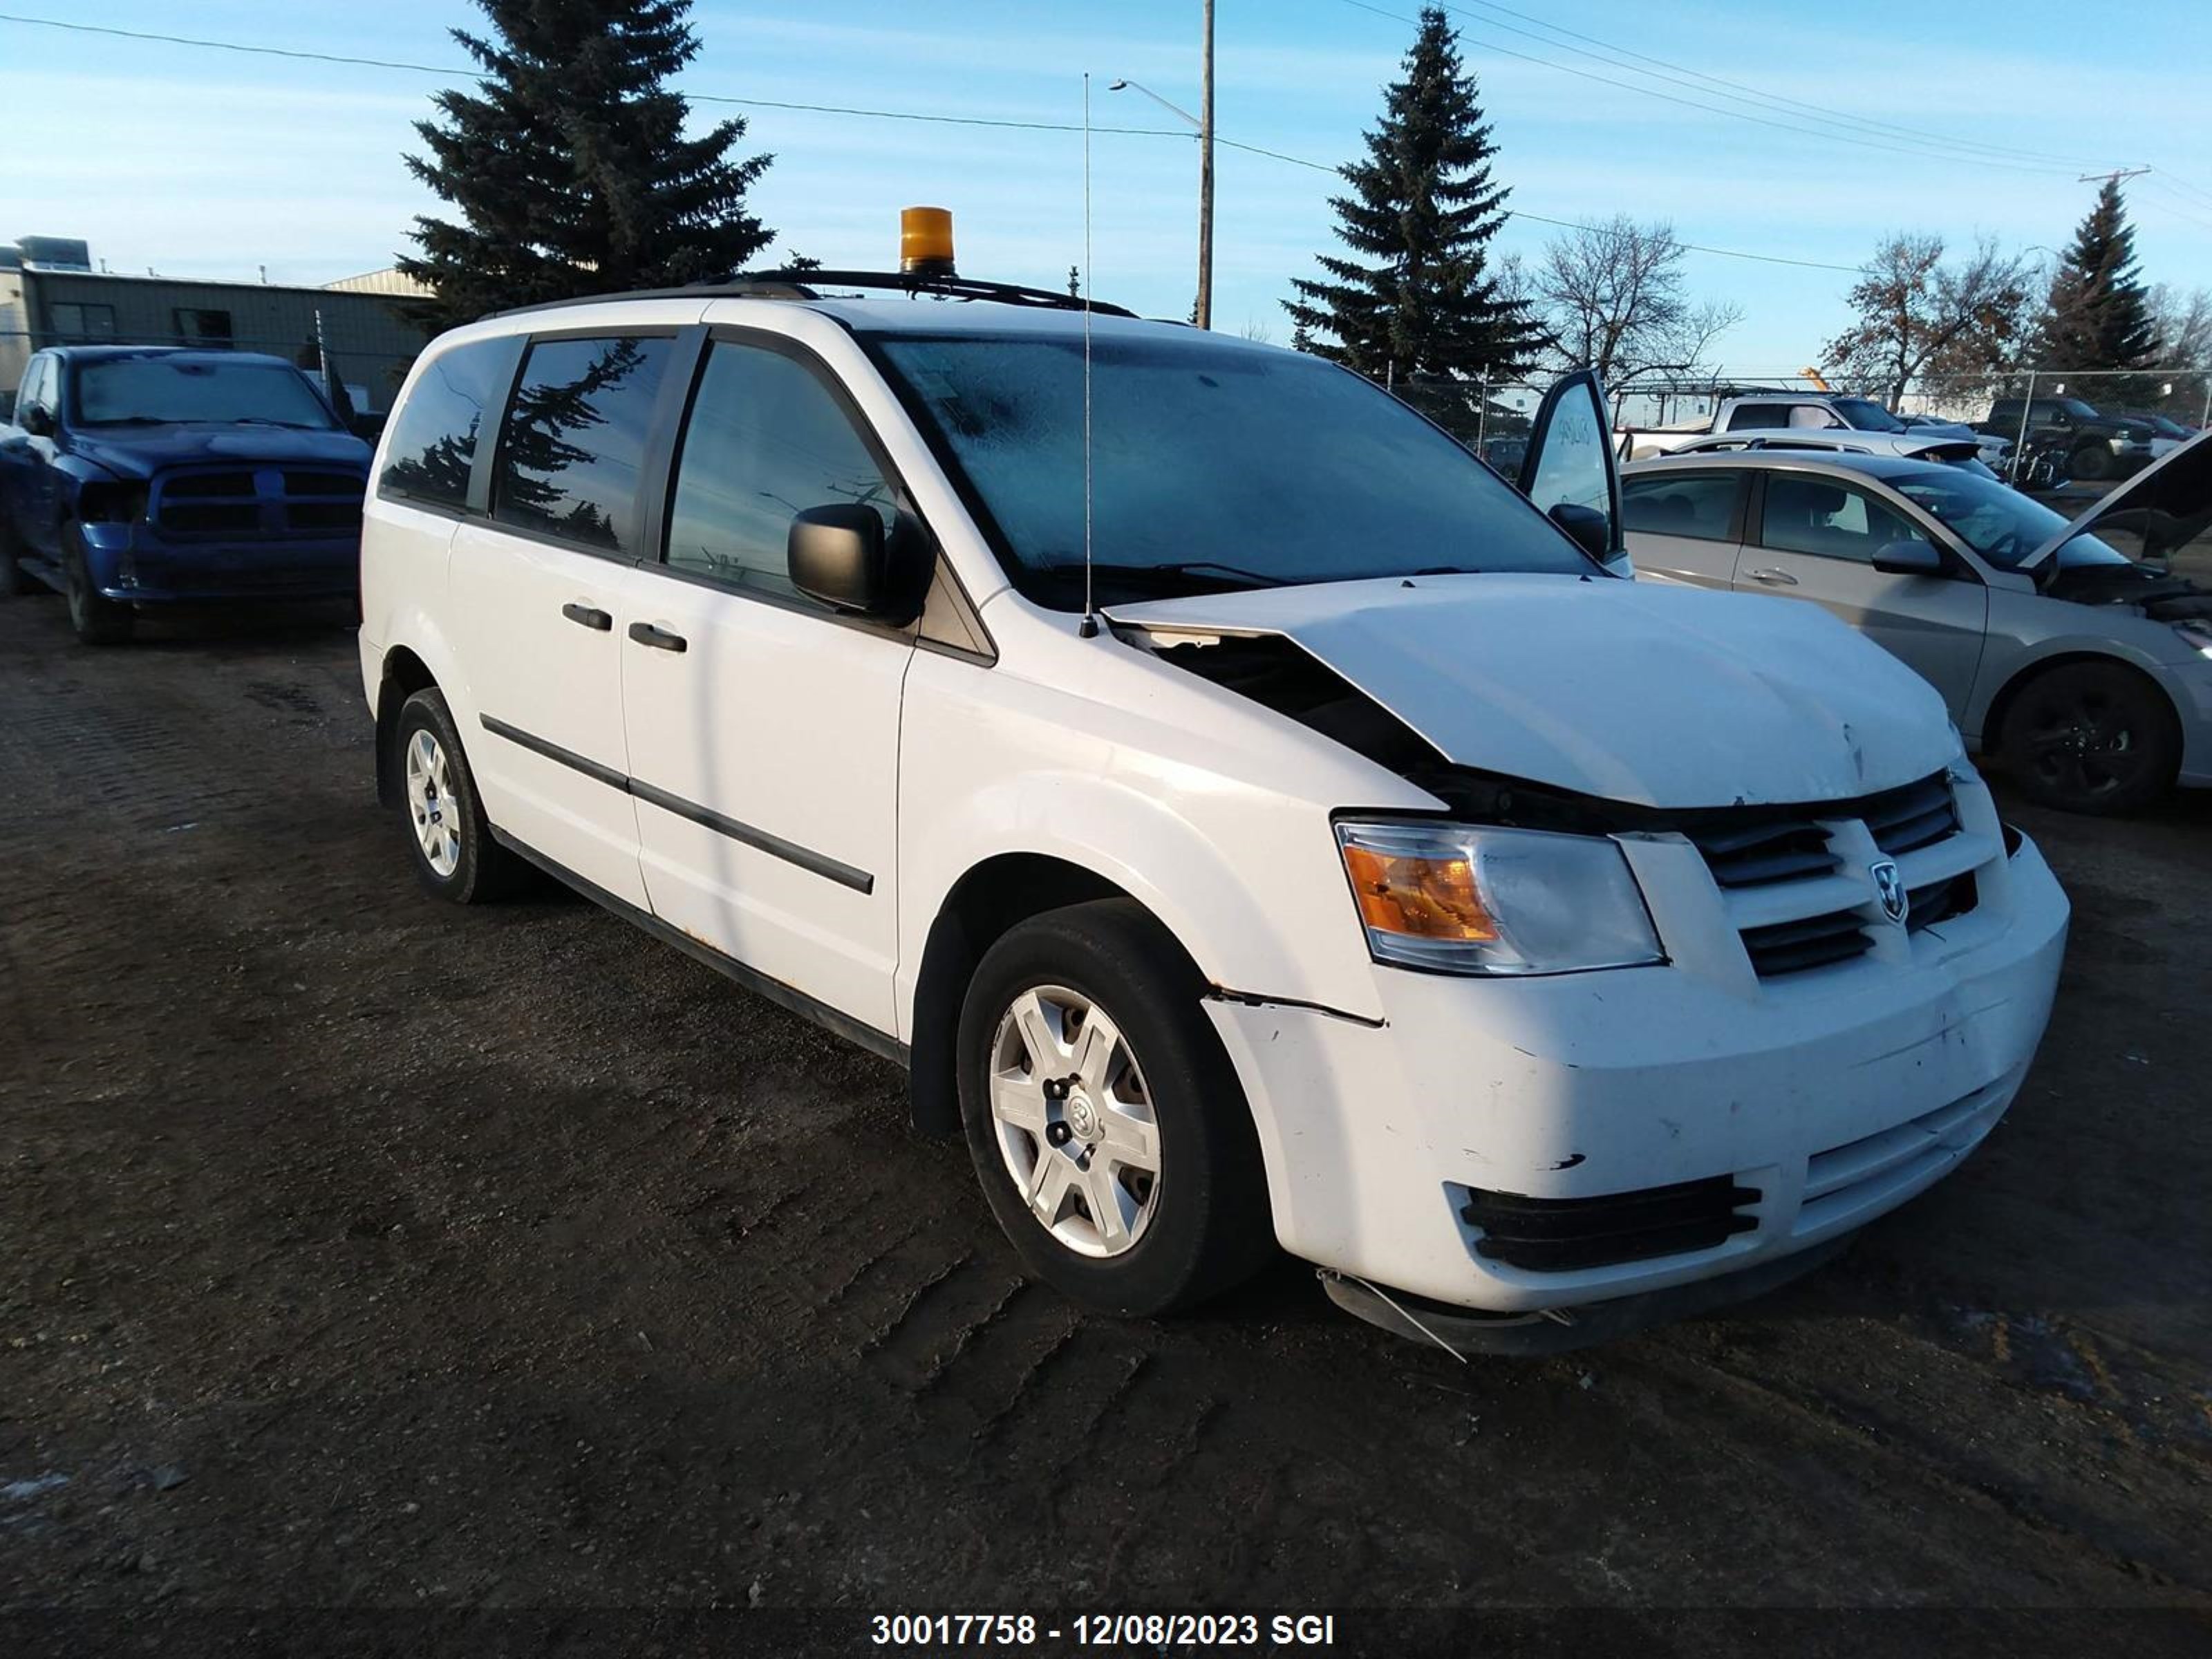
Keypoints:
pixel 189 484
pixel 209 518
pixel 323 515
pixel 1793 947
pixel 1752 855
pixel 1939 901
pixel 1559 1235
pixel 1918 815
pixel 323 483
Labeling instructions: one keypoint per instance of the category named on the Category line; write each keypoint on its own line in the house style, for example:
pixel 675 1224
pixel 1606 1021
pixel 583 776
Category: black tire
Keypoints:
pixel 481 869
pixel 2095 738
pixel 97 621
pixel 1209 1227
pixel 2092 461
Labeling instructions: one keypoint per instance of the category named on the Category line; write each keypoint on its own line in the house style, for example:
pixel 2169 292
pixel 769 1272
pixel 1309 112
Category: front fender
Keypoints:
pixel 1247 877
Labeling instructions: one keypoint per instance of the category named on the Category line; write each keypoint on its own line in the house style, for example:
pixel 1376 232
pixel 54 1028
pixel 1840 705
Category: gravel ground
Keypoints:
pixel 357 1250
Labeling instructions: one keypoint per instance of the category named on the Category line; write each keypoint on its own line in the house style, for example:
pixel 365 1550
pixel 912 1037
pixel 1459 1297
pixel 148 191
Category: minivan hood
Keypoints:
pixel 1656 696
pixel 139 452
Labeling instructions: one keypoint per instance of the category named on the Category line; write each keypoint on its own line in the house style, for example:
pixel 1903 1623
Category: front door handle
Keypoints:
pixel 658 638
pixel 588 617
pixel 1773 578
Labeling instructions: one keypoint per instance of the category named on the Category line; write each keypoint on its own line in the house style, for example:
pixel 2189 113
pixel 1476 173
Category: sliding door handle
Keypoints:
pixel 1772 578
pixel 658 638
pixel 586 616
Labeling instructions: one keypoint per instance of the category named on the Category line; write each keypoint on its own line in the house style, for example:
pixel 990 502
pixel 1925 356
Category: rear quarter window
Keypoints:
pixel 435 432
pixel 1702 505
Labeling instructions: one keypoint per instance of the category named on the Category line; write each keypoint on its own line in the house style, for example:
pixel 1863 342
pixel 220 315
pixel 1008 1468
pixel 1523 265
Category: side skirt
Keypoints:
pixel 830 1019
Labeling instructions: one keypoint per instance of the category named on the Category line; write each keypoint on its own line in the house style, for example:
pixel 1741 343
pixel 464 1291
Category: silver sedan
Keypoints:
pixel 2076 653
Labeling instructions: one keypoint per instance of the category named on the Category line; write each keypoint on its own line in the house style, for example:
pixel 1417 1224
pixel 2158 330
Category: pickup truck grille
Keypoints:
pixel 1795 905
pixel 271 503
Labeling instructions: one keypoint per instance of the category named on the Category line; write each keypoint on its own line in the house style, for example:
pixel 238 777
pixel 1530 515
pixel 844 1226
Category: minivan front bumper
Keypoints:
pixel 1829 1097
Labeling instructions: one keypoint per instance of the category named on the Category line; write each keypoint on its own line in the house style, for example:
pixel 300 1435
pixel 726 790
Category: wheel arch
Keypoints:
pixel 989 899
pixel 404 674
pixel 2000 705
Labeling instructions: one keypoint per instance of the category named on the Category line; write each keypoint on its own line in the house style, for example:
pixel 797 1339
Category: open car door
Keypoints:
pixel 1570 474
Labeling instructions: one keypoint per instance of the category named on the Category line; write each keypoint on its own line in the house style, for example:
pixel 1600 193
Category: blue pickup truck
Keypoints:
pixel 139 477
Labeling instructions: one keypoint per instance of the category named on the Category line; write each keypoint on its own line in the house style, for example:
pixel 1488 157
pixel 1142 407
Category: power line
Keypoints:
pixel 1612 53
pixel 253 49
pixel 1920 153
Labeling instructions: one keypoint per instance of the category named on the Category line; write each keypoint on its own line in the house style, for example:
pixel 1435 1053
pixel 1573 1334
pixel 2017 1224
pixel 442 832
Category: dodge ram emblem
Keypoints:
pixel 1889 887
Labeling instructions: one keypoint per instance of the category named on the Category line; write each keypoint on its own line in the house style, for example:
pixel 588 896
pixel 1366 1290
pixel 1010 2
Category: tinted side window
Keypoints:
pixel 1703 506
pixel 765 440
pixel 1750 418
pixel 433 435
pixel 1811 515
pixel 575 438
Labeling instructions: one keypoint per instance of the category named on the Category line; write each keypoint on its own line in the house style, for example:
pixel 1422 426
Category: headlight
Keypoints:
pixel 101 501
pixel 2196 635
pixel 1456 899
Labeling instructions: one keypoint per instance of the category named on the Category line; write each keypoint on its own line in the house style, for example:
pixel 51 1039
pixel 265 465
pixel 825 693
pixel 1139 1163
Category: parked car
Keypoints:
pixel 137 477
pixel 2078 652
pixel 2082 442
pixel 1863 423
pixel 1255 824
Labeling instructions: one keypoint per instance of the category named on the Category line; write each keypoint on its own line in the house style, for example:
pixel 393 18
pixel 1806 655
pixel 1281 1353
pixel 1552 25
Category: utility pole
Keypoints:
pixel 2111 177
pixel 1206 177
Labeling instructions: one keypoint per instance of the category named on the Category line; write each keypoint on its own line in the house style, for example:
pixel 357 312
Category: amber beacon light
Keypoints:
pixel 926 241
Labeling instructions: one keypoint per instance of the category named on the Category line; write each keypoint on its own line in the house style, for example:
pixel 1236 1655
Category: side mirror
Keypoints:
pixel 1590 529
pixel 840 554
pixel 1910 558
pixel 37 420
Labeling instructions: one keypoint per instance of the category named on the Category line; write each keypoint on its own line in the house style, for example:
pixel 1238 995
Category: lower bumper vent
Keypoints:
pixel 1558 1235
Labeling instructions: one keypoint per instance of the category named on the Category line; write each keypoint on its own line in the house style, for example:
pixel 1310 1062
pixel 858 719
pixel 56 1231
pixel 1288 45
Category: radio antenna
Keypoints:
pixel 1090 627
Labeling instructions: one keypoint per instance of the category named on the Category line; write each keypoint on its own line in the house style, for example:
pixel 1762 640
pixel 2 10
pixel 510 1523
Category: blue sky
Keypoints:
pixel 209 163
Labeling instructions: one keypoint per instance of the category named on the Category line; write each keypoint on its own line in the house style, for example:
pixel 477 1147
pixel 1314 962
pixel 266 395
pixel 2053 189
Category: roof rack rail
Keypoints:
pixel 807 285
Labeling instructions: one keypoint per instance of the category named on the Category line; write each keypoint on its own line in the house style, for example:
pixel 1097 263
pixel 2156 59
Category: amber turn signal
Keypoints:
pixel 1422 897
pixel 926 241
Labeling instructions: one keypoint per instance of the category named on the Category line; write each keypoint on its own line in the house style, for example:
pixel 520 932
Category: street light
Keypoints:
pixel 1202 314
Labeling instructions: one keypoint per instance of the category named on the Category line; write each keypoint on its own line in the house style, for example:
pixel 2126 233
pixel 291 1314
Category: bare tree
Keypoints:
pixel 1612 295
pixel 2183 324
pixel 1918 315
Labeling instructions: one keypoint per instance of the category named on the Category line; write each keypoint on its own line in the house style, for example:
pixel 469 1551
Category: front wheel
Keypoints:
pixel 455 856
pixel 97 621
pixel 1104 1121
pixel 2092 736
pixel 2091 462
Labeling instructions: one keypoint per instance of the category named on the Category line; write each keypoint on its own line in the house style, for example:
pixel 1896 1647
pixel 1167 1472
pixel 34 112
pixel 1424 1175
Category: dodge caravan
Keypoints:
pixel 1253 822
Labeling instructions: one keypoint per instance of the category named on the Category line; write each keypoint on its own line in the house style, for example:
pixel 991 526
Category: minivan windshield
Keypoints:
pixel 167 391
pixel 1868 415
pixel 1995 519
pixel 1215 465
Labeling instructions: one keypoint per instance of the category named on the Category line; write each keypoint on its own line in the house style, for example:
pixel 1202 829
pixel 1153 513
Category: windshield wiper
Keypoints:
pixel 1182 570
pixel 289 425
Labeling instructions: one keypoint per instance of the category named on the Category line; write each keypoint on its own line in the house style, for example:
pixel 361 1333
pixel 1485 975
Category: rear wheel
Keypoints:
pixel 2092 736
pixel 97 621
pixel 455 856
pixel 1104 1121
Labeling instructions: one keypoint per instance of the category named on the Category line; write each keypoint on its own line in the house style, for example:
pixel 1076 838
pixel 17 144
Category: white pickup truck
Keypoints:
pixel 1813 420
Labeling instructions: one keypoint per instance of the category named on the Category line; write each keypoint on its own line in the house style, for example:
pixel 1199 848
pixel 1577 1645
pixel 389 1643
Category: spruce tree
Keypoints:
pixel 569 165
pixel 1416 299
pixel 2098 316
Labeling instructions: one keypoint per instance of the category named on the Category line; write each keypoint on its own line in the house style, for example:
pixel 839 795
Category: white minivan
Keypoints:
pixel 1251 821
